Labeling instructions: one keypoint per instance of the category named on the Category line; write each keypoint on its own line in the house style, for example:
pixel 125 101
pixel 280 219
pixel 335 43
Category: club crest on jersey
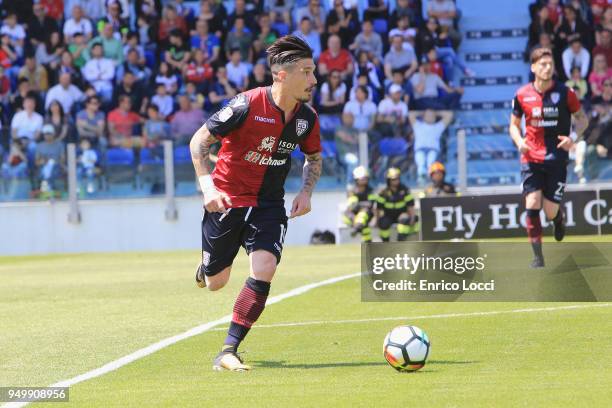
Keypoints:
pixel 554 97
pixel 301 126
pixel 225 114
pixel 267 144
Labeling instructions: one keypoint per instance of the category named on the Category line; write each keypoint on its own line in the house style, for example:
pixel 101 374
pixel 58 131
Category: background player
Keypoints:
pixel 360 205
pixel 548 106
pixel 244 196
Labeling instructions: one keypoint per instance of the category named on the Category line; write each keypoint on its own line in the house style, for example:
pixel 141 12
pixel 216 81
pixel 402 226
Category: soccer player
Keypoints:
pixel 360 205
pixel 244 196
pixel 548 106
pixel 395 204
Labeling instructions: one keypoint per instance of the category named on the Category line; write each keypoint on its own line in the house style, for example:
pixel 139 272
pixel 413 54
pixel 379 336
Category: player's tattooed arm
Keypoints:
pixel 312 171
pixel 200 150
pixel 581 122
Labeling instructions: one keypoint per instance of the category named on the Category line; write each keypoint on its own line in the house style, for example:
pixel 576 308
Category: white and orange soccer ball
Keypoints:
pixel 406 348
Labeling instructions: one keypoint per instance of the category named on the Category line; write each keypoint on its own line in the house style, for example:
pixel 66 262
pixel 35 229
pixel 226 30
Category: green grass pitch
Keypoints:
pixel 65 315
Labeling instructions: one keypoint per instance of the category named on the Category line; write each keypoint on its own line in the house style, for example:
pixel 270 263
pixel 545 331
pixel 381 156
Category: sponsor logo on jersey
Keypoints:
pixel 286 147
pixel 551 112
pixel 544 123
pixel 536 112
pixel 554 97
pixel 205 258
pixel 301 126
pixel 267 144
pixel 263 160
pixel 265 120
pixel 225 114
pixel 530 99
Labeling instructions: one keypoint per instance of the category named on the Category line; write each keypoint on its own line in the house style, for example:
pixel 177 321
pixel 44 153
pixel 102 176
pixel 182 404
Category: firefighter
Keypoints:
pixel 438 187
pixel 360 205
pixel 395 205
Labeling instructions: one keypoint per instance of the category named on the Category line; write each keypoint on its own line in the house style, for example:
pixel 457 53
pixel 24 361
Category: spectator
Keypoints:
pixel 208 43
pixel 60 121
pixel 16 163
pixel 336 58
pixel 241 39
pixel 164 102
pixel 405 8
pixel 425 87
pixel 369 41
pixel 241 11
pixel 427 37
pixel 155 131
pixel 399 80
pixel 65 93
pixel 392 114
pixel 78 50
pixel 48 53
pixel 27 123
pixel 78 23
pixel 362 109
pixel 362 80
pixel 133 43
pixel 428 131
pixel 404 30
pixel 539 25
pixel 578 84
pixel 435 66
pixel 600 73
pixel 186 121
pixel 347 144
pixel 572 25
pixel 5 88
pixel 363 66
pixel 280 10
pixel 445 12
pixel 220 91
pixel 315 13
pixel 555 13
pixel 215 15
pixel 576 56
pixel 116 14
pixel 333 93
pixel 35 73
pixel 400 58
pixel 342 21
pixel 311 36
pixel 376 9
pixel 87 165
pixel 40 25
pixel 90 123
pixel 265 37
pixel 198 70
pixel 167 77
pixel 50 159
pixel 23 91
pixel 238 71
pixel 604 46
pixel 112 47
pixel 15 32
pixel 177 54
pixel 134 64
pixel 99 72
pixel 259 77
pixel 8 56
pixel 123 124
pixel 194 95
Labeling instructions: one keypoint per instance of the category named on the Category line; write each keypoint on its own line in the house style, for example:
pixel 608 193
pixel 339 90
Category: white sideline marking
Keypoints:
pixel 436 316
pixel 143 352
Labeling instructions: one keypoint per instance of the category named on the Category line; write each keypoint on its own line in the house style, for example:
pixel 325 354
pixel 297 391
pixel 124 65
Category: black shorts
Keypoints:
pixel 250 227
pixel 549 177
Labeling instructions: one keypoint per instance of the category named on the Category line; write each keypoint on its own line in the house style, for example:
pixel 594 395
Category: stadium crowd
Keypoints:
pixel 120 74
pixel 579 33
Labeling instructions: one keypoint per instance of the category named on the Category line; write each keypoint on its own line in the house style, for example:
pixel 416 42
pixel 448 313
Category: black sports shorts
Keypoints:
pixel 253 228
pixel 548 176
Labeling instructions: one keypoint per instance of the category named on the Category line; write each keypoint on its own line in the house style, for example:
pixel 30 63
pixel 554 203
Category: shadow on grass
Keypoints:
pixel 284 364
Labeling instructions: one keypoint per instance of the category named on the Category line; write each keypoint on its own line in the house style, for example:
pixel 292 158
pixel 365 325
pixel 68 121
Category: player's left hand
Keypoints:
pixel 565 143
pixel 301 205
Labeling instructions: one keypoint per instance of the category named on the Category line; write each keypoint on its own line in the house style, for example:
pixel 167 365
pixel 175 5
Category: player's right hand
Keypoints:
pixel 523 147
pixel 216 201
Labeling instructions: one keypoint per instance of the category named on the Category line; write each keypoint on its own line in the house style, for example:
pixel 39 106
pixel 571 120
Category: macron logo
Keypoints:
pixel 265 120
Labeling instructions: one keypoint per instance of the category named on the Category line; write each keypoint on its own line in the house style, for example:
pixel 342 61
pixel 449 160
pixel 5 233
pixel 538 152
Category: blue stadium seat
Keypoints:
pixel 118 156
pixel 282 28
pixel 297 154
pixel 393 146
pixel 147 157
pixel 329 149
pixel 182 155
pixel 381 26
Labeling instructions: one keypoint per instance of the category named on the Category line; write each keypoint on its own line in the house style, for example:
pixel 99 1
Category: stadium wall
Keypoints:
pixel 132 225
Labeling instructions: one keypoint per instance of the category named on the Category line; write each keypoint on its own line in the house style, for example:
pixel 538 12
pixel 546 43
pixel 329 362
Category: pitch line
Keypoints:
pixel 143 352
pixel 424 317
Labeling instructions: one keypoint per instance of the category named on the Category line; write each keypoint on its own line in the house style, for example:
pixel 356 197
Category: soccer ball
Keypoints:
pixel 406 348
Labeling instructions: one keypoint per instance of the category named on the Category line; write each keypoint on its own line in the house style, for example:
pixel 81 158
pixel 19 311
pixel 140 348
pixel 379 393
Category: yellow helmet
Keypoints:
pixel 360 172
pixel 393 173
pixel 436 166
